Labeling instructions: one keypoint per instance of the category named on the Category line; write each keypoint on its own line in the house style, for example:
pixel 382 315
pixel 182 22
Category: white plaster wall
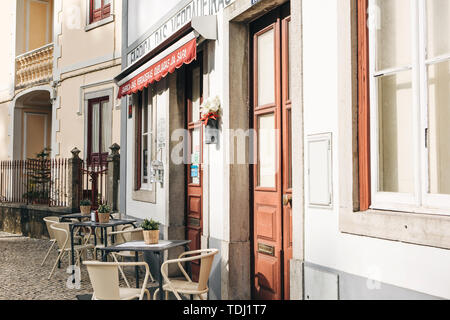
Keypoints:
pixel 144 14
pixel 419 268
pixel 217 169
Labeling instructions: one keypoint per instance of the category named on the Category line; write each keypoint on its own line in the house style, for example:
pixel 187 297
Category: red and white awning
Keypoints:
pixel 174 57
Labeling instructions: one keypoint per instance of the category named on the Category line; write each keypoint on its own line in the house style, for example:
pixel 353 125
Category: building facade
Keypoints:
pixel 326 176
pixel 58 91
pixel 380 230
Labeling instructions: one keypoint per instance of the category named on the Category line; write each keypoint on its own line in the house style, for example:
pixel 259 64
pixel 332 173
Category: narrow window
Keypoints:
pixel 143 140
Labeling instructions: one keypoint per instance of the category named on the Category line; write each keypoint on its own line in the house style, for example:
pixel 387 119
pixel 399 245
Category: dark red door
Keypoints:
pixel 98 131
pixel 272 190
pixel 194 221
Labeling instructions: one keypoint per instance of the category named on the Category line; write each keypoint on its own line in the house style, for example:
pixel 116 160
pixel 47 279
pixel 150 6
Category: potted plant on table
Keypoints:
pixel 104 212
pixel 151 231
pixel 85 207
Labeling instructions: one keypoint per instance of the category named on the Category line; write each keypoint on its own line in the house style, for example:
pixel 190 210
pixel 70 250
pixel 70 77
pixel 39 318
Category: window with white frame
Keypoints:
pixel 409 72
pixel 144 139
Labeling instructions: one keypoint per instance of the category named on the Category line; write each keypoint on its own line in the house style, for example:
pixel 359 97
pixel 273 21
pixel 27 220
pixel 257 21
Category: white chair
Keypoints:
pixel 49 221
pixel 187 286
pixel 99 235
pixel 110 233
pixel 126 235
pixel 104 278
pixel 62 235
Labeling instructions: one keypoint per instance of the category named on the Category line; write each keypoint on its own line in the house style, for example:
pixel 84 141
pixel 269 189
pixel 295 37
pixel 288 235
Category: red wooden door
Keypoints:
pixel 272 238
pixel 286 156
pixel 194 219
pixel 97 148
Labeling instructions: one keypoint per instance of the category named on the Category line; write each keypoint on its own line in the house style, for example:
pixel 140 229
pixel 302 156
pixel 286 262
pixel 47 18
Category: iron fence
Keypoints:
pixel 93 184
pixel 42 182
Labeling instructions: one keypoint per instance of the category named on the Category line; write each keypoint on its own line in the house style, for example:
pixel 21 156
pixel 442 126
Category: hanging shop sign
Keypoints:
pixel 183 55
pixel 194 8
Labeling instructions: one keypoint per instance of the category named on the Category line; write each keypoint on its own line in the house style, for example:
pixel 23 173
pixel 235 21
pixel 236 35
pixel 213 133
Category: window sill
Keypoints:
pixel 100 23
pixel 144 196
pixel 414 228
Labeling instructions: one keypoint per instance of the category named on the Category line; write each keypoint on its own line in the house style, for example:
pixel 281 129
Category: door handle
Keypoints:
pixel 287 200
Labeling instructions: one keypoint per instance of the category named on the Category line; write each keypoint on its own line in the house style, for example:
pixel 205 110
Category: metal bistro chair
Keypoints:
pixel 104 278
pixel 61 233
pixel 187 286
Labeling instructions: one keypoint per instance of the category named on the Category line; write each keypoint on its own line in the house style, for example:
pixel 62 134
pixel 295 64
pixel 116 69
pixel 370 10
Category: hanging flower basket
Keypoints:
pixel 210 118
pixel 210 110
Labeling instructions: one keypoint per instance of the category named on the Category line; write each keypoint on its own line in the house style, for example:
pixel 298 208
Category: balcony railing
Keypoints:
pixel 34 67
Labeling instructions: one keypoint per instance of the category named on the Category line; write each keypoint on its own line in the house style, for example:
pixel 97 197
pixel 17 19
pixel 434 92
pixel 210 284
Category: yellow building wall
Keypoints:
pixel 80 46
pixel 33 132
pixel 40 21
pixel 72 126
pixel 34 21
pixel 87 57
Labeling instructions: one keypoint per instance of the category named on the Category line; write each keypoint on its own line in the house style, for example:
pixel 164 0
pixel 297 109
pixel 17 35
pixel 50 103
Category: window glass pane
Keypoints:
pixel 393 33
pixel 439 128
pixel 266 68
pixel 106 126
pixel 438 27
pixel 146 138
pixel 145 119
pixel 145 158
pixel 106 2
pixel 97 4
pixel 195 156
pixel 289 133
pixel 95 128
pixel 196 94
pixel 289 61
pixel 266 151
pixel 396 154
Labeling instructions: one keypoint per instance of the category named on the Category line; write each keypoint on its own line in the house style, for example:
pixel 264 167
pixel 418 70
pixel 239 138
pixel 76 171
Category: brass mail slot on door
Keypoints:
pixel 266 249
pixel 192 222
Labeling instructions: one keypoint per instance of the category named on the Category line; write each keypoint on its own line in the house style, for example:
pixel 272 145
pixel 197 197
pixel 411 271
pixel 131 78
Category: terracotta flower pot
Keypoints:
pixel 151 236
pixel 103 217
pixel 85 210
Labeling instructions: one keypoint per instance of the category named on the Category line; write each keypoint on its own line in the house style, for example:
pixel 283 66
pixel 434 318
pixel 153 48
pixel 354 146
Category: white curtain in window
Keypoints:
pixel 106 126
pixel 95 127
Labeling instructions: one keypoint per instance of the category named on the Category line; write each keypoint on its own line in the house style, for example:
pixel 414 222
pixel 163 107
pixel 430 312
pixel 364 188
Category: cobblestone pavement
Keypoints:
pixel 23 278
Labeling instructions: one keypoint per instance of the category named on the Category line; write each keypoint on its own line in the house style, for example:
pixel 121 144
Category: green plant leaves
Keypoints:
pixel 150 225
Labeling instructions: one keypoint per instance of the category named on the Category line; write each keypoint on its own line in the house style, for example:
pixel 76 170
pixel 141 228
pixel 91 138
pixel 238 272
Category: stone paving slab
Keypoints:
pixel 23 278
